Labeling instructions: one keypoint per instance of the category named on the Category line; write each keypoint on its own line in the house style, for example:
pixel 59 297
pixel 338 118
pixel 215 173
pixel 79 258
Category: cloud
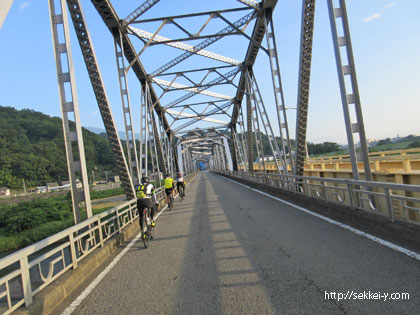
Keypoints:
pixel 23 6
pixel 372 17
pixel 390 4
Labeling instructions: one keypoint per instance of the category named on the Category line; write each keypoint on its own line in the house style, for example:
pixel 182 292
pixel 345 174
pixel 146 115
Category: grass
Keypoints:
pixel 390 147
pixel 106 193
pixel 28 237
pixel 379 148
pixel 106 205
pixel 14 241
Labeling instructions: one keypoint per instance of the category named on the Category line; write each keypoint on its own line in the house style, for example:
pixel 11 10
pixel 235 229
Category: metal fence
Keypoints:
pixel 26 272
pixel 396 201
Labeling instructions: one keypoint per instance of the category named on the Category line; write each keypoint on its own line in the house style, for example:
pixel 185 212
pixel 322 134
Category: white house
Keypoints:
pixel 4 192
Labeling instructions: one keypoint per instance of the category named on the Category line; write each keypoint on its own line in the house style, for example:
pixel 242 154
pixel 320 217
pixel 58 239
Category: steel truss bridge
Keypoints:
pixel 194 93
pixel 202 108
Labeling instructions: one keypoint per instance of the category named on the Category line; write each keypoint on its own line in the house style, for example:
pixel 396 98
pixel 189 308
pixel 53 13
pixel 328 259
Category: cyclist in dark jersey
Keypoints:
pixel 180 181
pixel 146 198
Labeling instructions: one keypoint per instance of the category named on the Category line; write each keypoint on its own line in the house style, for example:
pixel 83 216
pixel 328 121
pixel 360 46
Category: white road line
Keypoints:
pixel 344 226
pixel 99 278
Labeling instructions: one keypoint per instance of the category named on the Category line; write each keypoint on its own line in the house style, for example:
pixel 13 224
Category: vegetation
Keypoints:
pixel 414 144
pixel 332 148
pixel 390 147
pixel 32 149
pixel 320 148
pixel 27 222
pixel 106 193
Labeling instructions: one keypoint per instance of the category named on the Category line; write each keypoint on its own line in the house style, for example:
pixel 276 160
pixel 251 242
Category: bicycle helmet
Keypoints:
pixel 145 180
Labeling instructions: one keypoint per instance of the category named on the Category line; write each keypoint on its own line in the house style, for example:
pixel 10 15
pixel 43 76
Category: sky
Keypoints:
pixel 384 35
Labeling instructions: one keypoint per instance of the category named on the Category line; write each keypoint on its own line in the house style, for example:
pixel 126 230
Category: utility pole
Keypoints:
pixel 24 186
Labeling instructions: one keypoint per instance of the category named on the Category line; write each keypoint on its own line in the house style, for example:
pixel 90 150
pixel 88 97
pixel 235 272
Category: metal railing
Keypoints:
pixel 28 271
pixel 399 202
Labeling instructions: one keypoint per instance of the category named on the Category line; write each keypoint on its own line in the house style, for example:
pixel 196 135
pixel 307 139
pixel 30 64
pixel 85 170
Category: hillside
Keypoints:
pixel 32 148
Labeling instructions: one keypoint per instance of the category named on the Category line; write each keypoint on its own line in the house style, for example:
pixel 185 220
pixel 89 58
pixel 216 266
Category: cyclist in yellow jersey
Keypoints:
pixel 169 187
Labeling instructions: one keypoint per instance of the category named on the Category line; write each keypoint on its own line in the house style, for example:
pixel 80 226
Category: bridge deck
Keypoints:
pixel 229 250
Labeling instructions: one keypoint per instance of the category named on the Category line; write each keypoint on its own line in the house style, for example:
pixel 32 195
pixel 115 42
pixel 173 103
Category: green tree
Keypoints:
pixel 32 148
pixel 384 141
pixel 414 144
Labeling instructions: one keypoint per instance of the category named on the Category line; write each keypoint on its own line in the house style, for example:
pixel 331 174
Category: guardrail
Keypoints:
pixel 28 271
pixel 396 201
pixel 381 155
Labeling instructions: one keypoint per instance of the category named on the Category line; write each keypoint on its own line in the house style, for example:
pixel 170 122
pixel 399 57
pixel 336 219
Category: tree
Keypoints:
pixel 32 148
pixel 321 148
pixel 414 144
pixel 384 141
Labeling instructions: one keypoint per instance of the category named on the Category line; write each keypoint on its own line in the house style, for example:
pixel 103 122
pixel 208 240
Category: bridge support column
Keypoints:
pixel 100 94
pixel 228 154
pixel 343 46
pixel 180 160
pixel 234 149
pixel 250 145
pixel 70 107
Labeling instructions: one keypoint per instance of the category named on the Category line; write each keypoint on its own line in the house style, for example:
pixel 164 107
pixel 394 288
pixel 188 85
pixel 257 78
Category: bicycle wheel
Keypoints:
pixel 152 232
pixel 145 235
pixel 181 193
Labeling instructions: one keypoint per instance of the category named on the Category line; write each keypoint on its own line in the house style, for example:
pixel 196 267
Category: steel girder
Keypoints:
pixel 252 52
pixel 73 139
pixel 100 94
pixel 112 21
pixel 204 44
pixel 308 16
pixel 349 95
pixel 262 11
pixel 200 129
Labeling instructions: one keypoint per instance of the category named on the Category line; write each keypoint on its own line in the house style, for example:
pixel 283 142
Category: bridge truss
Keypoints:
pixel 197 69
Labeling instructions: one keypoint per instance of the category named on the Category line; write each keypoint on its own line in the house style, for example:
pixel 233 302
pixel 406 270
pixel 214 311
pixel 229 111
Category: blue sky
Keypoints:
pixel 385 41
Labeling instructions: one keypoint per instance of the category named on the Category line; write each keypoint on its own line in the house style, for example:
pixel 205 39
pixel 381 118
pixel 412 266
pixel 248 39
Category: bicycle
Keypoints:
pixel 181 192
pixel 149 228
pixel 170 203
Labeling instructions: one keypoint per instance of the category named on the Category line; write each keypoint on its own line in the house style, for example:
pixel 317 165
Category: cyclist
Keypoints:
pixel 180 182
pixel 146 198
pixel 169 187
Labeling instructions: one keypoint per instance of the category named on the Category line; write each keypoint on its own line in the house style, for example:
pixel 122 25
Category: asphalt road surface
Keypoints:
pixel 228 250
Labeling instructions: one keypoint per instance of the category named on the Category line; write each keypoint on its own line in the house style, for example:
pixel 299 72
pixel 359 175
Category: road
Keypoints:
pixel 228 250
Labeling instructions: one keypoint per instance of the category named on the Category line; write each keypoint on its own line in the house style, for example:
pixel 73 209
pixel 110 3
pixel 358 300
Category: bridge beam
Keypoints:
pixel 112 21
pixel 307 29
pixel 339 14
pixel 228 154
pixel 100 94
pixel 69 108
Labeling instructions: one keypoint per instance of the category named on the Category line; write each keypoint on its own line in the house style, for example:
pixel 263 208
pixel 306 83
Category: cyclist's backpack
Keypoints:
pixel 141 191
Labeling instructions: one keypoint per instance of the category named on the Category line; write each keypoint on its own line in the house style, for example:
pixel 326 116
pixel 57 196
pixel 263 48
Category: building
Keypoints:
pixel 52 186
pixel 41 189
pixel 4 192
